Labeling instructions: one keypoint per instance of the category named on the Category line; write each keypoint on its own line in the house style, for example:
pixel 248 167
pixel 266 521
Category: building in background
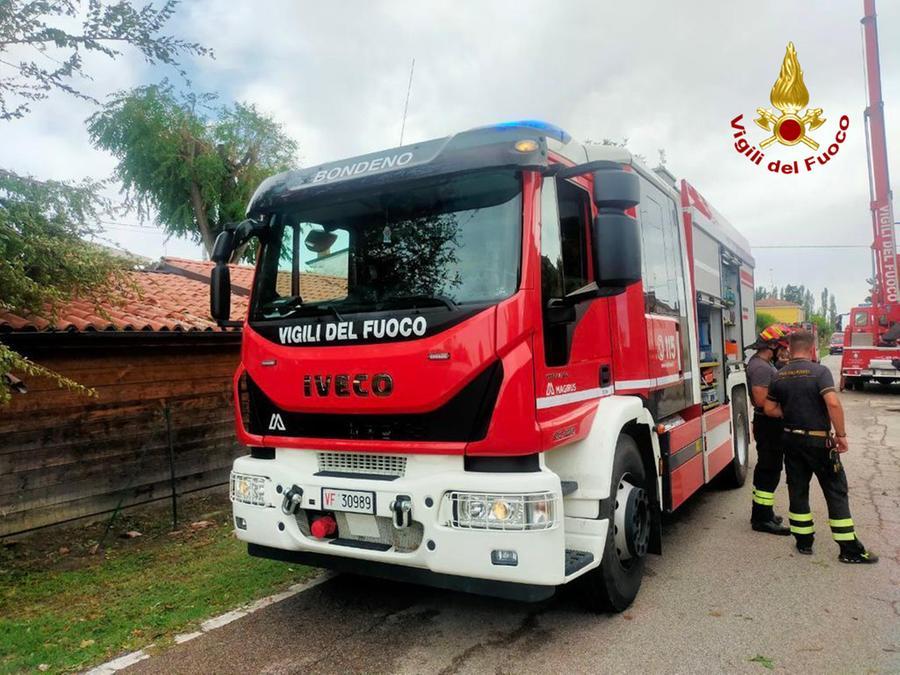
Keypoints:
pixel 782 310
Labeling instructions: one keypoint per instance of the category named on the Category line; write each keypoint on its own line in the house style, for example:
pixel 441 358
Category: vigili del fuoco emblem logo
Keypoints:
pixel 789 126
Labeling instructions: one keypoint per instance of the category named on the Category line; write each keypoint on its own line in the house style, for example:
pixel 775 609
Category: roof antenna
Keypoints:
pixel 406 105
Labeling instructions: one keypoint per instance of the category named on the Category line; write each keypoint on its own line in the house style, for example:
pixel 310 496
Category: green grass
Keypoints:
pixel 70 612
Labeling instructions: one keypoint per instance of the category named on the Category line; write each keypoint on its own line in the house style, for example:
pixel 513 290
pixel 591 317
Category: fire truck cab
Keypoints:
pixel 487 362
pixel 870 353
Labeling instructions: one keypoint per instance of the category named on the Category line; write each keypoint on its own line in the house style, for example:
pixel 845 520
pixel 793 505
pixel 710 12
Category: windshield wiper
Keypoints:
pixel 297 303
pixel 419 297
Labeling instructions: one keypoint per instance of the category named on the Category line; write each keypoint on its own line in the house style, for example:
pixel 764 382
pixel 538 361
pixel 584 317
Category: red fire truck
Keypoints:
pixel 487 362
pixel 872 336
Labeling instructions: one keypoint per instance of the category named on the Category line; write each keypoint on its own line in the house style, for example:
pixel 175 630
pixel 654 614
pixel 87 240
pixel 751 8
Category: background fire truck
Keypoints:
pixel 871 336
pixel 524 352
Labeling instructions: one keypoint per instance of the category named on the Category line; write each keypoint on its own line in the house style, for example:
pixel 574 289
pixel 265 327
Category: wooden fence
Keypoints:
pixel 162 418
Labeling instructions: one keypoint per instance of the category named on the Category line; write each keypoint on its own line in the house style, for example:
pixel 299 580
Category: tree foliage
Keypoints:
pixel 44 259
pixel 45 256
pixel 44 42
pixel 763 320
pixel 823 326
pixel 191 164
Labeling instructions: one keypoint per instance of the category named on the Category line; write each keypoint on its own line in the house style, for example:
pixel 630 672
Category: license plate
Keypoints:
pixel 354 501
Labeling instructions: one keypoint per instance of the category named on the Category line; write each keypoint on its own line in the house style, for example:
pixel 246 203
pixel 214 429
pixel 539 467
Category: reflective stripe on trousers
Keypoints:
pixel 842 529
pixel 763 498
pixel 801 523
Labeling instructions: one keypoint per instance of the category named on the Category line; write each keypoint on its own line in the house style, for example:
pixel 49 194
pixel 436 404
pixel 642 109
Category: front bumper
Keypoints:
pixel 877 369
pixel 445 551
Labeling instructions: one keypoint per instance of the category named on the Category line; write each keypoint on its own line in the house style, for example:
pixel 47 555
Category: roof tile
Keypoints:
pixel 172 297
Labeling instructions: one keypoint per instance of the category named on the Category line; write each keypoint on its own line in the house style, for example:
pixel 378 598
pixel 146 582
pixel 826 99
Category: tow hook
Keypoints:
pixel 401 507
pixel 292 499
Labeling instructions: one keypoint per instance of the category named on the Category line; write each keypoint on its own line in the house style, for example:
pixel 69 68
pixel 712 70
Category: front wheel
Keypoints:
pixel 614 585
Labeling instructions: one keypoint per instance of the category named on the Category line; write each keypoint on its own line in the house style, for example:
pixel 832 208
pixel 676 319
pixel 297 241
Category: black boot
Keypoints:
pixel 763 519
pixel 770 527
pixel 853 552
pixel 804 543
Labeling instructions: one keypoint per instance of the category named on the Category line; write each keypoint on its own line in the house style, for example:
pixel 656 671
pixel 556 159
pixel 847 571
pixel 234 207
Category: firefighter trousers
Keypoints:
pixel 807 456
pixel 767 432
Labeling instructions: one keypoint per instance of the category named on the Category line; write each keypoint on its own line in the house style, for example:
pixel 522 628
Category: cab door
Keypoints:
pixel 572 350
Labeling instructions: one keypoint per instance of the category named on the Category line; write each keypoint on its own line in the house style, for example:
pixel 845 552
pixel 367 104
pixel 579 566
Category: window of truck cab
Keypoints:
pixel 452 240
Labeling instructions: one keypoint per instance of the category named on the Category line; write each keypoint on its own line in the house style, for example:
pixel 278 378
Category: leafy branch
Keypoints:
pixel 45 55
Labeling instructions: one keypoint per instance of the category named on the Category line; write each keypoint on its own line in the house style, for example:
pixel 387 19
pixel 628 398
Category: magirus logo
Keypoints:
pixel 788 126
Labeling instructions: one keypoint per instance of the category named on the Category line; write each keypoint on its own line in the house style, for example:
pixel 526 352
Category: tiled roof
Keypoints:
pixel 174 296
pixel 163 303
pixel 241 275
pixel 313 287
pixel 775 302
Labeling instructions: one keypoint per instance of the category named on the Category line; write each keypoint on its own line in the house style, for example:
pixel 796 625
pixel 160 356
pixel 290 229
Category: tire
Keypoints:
pixel 735 474
pixel 613 586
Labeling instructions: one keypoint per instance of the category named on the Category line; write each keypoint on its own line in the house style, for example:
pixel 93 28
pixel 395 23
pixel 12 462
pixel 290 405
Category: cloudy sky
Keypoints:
pixel 664 75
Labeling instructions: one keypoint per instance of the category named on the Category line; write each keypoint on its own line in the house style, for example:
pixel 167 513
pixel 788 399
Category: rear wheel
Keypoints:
pixel 614 585
pixel 736 473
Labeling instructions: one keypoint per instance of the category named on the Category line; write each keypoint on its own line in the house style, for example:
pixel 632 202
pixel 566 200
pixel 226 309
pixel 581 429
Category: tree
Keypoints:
pixel 824 305
pixel 809 302
pixel 761 293
pixel 44 43
pixel 45 259
pixel 792 293
pixel 191 164
pixel 832 311
pixel 824 327
pixel 763 320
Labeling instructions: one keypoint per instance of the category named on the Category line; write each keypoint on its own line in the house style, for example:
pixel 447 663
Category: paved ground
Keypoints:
pixel 720 596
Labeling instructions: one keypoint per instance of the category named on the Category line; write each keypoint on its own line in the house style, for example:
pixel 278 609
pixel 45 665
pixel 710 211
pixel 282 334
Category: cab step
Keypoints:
pixel 575 560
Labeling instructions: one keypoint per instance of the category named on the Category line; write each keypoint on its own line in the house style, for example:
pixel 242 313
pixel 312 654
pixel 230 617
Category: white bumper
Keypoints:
pixel 444 549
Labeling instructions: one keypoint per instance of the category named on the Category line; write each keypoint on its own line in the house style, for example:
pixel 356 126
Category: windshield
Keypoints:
pixel 450 242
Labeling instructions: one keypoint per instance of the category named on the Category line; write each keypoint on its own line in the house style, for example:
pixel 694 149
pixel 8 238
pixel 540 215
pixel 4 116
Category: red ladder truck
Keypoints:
pixel 487 362
pixel 872 334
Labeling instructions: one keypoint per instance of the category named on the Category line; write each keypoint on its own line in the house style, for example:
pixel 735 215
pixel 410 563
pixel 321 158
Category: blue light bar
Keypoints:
pixel 546 128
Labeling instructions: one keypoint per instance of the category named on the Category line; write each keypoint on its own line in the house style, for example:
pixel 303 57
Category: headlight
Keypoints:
pixel 248 489
pixel 473 510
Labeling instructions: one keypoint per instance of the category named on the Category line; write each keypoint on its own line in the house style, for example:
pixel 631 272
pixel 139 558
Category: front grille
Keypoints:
pixel 361 462
pixel 464 418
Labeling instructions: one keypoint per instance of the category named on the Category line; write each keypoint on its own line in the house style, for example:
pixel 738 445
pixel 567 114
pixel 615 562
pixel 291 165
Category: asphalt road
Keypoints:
pixel 719 596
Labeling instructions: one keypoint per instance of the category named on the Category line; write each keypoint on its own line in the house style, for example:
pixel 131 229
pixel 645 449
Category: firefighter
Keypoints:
pixel 803 395
pixel 766 431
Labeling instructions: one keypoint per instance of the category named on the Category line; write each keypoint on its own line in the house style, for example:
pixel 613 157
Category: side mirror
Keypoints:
pixel 617 251
pixel 615 188
pixel 223 247
pixel 234 236
pixel 220 291
pixel 616 235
